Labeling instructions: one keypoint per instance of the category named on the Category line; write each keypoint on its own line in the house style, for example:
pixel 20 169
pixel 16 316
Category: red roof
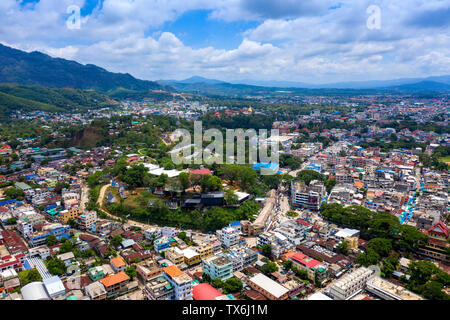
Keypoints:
pixel 305 260
pixel 200 172
pixel 441 226
pixel 5 147
pixel 303 222
pixel 204 291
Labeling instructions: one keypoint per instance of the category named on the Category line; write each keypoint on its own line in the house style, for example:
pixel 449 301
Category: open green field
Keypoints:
pixel 445 159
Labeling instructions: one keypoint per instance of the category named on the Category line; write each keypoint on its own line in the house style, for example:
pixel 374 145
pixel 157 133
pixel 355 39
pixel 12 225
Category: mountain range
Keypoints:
pixel 434 83
pixel 36 68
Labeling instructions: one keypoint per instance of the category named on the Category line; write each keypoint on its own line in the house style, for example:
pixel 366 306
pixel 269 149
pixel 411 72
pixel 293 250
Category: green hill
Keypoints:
pixel 30 98
pixel 36 68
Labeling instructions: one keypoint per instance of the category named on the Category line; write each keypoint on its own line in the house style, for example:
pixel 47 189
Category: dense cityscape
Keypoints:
pixel 219 159
pixel 357 207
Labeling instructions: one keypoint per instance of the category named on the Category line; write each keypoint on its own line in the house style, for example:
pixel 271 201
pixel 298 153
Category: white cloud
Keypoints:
pixel 307 42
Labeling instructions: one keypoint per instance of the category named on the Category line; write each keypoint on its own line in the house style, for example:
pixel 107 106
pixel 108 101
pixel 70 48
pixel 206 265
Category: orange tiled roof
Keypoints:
pixel 118 262
pixel 173 271
pixel 359 184
pixel 114 279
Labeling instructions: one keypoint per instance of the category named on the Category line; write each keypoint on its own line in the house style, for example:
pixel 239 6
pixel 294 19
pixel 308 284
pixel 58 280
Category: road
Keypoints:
pixel 130 222
pixel 84 196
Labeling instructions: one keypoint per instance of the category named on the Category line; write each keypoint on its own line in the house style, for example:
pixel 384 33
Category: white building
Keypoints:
pixel 229 236
pixel 351 284
pixel 152 233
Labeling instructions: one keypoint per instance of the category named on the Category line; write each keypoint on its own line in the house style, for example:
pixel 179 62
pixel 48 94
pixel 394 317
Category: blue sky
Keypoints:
pixel 316 41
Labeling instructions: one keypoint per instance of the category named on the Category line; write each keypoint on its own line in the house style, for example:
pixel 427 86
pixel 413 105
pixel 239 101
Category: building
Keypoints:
pixel 68 258
pixel 162 243
pixel 38 238
pixel 315 269
pixel 55 288
pixel 388 291
pixel 148 270
pixel 229 236
pixel 191 257
pixel 267 287
pixel 437 246
pixel 158 288
pixel 302 196
pixel 175 256
pixel 34 291
pixel 152 233
pixel 205 250
pixel 96 291
pixel 87 220
pixel 71 213
pixel 180 281
pixel 96 273
pixel 218 267
pixel 204 291
pixel 116 284
pixel 350 284
pixel 118 264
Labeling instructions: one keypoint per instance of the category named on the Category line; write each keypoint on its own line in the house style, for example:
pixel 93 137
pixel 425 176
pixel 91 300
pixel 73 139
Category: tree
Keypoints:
pixel 72 223
pixel 116 241
pixel 371 257
pixel 269 267
pixel 342 247
pixel 66 246
pixel 432 290
pixel 182 235
pixel 14 193
pixel 330 183
pixel 266 250
pixel 381 246
pixel 409 238
pixel 217 283
pixel 421 271
pixel 10 221
pixel 28 276
pixel 309 175
pixel 230 197
pixel 131 272
pixel 56 266
pixel 210 183
pixel 184 180
pixel 51 240
pixel 287 265
pixel 232 285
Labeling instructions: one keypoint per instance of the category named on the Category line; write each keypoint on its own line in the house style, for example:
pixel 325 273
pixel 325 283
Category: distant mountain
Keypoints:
pixel 373 84
pixel 36 68
pixel 202 85
pixel 197 79
pixel 420 86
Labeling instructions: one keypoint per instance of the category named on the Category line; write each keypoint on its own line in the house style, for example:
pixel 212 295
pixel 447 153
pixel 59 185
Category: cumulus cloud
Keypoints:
pixel 315 41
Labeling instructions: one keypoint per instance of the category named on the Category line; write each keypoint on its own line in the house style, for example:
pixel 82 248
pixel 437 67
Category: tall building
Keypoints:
pixel 229 236
pixel 180 281
pixel 351 284
pixel 302 196
pixel 86 220
pixel 437 246
pixel 218 267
